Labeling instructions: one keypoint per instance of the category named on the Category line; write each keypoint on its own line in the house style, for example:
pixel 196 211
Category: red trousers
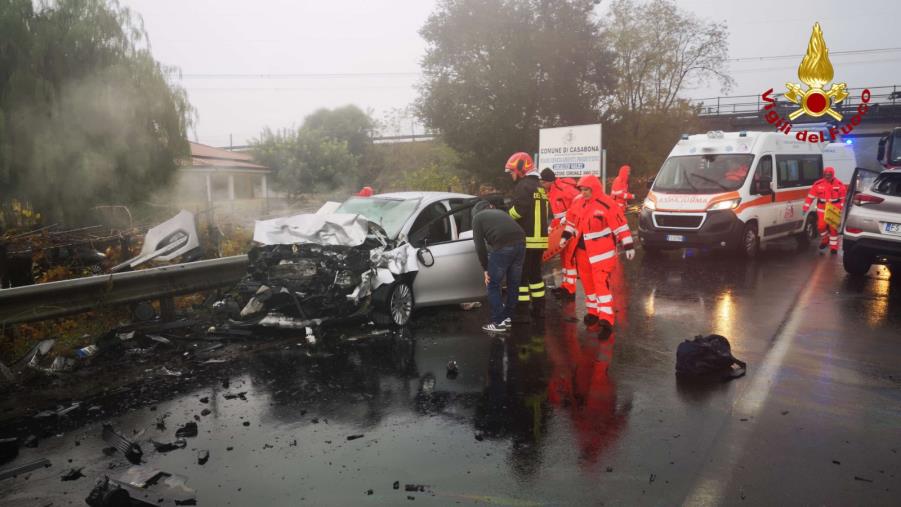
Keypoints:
pixel 596 283
pixel 828 234
pixel 570 274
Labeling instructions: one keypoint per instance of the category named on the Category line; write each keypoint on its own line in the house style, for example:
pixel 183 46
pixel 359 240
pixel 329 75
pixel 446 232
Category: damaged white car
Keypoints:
pixel 376 257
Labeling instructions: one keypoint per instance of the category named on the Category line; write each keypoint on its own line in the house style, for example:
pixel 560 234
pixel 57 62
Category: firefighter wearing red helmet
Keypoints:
pixel 619 190
pixel 530 209
pixel 827 189
pixel 597 225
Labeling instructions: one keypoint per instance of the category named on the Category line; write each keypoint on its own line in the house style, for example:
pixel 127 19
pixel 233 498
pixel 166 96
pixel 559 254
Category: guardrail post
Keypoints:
pixel 167 309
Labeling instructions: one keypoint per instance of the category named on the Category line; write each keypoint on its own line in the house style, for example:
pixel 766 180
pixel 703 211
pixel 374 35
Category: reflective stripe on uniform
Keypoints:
pixel 628 240
pixel 620 230
pixel 605 299
pixel 560 215
pixel 606 309
pixel 596 235
pixel 594 259
pixel 515 214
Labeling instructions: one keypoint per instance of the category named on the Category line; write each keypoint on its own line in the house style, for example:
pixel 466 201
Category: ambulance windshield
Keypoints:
pixel 703 174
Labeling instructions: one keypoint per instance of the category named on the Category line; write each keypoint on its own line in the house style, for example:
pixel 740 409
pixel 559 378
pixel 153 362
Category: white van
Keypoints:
pixel 734 190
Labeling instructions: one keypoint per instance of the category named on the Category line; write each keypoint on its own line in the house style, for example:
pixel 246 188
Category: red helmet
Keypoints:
pixel 365 192
pixel 520 163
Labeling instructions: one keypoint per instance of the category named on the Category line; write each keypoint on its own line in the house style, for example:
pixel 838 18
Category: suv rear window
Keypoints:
pixel 888 184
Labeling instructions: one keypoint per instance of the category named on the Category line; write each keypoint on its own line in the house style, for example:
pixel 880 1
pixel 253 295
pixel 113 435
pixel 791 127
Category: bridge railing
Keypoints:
pixel 752 104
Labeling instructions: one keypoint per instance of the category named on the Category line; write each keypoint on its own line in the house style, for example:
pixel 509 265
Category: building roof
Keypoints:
pixel 208 157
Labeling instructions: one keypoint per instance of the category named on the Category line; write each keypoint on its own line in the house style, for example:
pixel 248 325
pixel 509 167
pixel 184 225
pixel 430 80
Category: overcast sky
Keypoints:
pixel 218 43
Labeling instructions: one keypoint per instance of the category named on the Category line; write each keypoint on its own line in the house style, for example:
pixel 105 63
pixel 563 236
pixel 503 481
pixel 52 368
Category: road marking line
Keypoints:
pixel 710 486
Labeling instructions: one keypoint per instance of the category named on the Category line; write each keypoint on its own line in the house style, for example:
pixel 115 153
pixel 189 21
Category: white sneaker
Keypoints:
pixel 507 323
pixel 494 328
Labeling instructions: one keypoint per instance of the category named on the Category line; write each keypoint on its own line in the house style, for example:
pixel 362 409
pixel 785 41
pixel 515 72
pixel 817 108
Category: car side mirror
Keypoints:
pixel 651 183
pixel 763 187
pixel 425 257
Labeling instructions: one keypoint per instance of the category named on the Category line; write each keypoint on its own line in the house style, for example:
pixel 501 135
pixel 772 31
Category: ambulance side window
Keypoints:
pixel 798 170
pixel 764 169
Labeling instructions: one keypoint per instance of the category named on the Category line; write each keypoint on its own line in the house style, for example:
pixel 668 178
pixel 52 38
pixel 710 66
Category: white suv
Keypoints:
pixel 872 224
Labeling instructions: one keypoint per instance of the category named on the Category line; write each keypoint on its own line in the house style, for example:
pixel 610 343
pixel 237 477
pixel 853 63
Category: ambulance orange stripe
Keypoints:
pixel 784 196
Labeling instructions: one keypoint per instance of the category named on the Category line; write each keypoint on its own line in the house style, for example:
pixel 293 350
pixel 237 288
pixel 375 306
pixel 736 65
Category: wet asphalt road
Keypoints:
pixel 549 415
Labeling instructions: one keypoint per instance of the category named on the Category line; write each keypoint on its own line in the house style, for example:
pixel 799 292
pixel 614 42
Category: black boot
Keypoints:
pixel 606 330
pixel 590 319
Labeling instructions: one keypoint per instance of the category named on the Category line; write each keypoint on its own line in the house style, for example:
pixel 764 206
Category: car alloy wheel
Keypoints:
pixel 401 304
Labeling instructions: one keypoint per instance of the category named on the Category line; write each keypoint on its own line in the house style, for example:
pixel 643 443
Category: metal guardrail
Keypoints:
pixel 752 104
pixel 67 297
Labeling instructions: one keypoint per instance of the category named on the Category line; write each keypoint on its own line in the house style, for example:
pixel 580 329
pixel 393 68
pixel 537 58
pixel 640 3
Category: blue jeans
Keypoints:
pixel 503 263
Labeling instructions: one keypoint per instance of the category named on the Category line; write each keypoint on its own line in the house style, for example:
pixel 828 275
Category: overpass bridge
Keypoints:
pixel 745 112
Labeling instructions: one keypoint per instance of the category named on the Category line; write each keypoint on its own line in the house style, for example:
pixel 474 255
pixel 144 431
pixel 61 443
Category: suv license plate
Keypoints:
pixel 681 239
pixel 893 228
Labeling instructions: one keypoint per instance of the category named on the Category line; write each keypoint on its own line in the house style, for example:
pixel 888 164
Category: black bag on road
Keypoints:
pixel 708 356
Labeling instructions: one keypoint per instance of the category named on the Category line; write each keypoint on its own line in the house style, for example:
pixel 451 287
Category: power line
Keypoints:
pixel 831 53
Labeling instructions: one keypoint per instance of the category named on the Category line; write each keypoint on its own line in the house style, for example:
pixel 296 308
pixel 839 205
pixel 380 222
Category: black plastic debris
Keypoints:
pixel 108 494
pixel 161 422
pixel 862 479
pixel 168 446
pixel 188 430
pixel 9 449
pixel 415 487
pixel 205 399
pixel 369 492
pixel 72 474
pixel 131 450
pixel 203 456
pixel 205 412
pixel 396 485
pixel 246 423
pixel 453 367
pixel 708 357
pixel 189 501
pixel 21 469
pixel 354 437
pixel 231 396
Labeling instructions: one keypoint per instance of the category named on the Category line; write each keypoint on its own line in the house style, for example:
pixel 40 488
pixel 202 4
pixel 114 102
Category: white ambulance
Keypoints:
pixel 735 190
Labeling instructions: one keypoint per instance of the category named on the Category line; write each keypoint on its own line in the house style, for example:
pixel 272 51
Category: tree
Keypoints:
pixel 304 160
pixel 659 52
pixel 87 115
pixel 348 123
pixel 498 70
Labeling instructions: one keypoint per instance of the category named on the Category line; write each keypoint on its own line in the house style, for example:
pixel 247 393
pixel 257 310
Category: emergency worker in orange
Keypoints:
pixel 619 190
pixel 561 192
pixel 597 225
pixel 827 189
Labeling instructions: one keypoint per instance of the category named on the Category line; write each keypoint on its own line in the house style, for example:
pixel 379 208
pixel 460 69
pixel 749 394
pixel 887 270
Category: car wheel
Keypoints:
pixel 750 241
pixel 397 307
pixel 856 264
pixel 806 236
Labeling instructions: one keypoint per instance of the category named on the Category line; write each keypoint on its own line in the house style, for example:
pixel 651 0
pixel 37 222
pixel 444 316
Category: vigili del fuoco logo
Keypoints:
pixel 815 101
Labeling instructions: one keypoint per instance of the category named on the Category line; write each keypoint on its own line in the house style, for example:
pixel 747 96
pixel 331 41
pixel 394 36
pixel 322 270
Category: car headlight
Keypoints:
pixel 649 204
pixel 730 204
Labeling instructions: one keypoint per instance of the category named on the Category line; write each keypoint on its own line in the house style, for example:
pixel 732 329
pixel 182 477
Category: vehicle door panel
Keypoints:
pixel 766 212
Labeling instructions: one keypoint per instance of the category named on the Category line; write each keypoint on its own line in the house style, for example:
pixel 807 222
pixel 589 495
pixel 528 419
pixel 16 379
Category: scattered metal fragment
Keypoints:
pixel 141 476
pixel 131 450
pixel 168 446
pixel 188 430
pixel 231 396
pixel 203 456
pixel 25 468
pixel 862 479
pixel 72 474
pixel 354 437
pixel 109 494
pixel 205 412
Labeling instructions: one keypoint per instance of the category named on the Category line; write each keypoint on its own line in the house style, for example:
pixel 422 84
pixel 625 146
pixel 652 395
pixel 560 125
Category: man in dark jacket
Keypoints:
pixel 530 209
pixel 500 244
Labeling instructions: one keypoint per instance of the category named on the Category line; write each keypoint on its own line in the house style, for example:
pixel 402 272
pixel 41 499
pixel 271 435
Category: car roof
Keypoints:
pixel 425 196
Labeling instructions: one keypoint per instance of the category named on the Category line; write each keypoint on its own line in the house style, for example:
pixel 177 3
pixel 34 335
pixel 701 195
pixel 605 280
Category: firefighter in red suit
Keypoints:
pixel 561 192
pixel 827 189
pixel 597 225
pixel 619 191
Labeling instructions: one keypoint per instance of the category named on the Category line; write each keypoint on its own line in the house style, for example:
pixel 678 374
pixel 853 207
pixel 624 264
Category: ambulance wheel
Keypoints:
pixel 808 234
pixel 856 264
pixel 750 241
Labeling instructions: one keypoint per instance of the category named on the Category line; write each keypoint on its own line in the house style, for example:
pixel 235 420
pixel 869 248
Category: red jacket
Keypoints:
pixel 619 190
pixel 561 196
pixel 599 223
pixel 824 191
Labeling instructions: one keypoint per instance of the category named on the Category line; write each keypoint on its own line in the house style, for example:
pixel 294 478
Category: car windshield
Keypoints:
pixel 703 174
pixel 391 214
